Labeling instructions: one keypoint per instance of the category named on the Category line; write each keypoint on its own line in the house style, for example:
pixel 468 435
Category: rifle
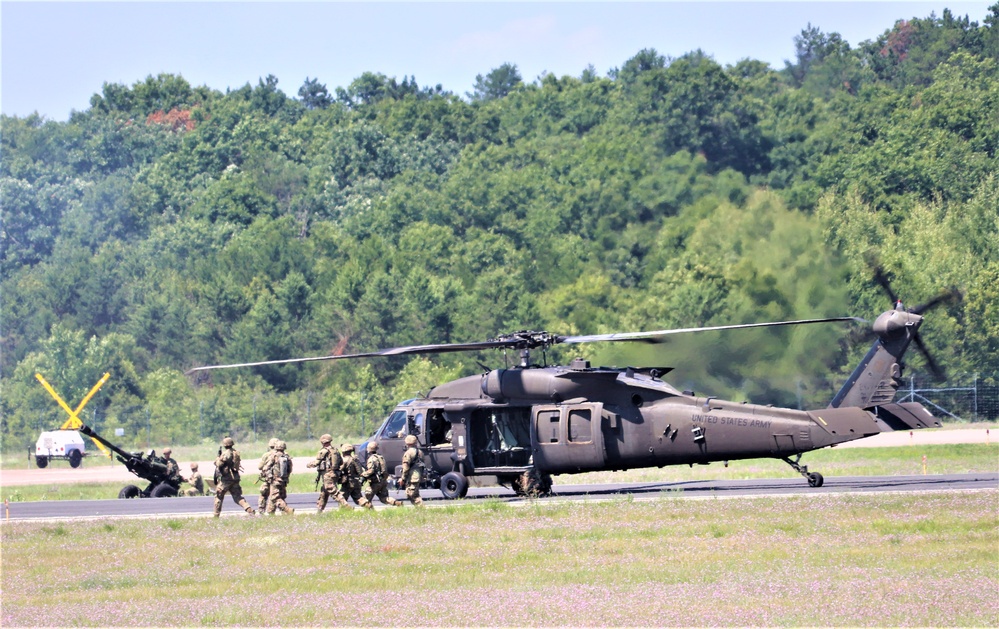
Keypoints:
pixel 322 468
pixel 215 477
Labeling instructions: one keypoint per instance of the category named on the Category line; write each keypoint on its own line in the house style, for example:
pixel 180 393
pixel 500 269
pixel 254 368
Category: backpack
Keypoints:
pixel 282 466
pixel 378 467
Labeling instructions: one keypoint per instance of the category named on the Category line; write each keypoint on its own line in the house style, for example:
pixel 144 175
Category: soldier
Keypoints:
pixel 412 471
pixel 328 464
pixel 196 481
pixel 227 470
pixel 265 487
pixel 172 468
pixel 376 479
pixel 352 476
pixel 278 471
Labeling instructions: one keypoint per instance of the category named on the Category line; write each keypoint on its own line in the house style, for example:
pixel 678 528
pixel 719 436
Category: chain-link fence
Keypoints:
pixel 970 397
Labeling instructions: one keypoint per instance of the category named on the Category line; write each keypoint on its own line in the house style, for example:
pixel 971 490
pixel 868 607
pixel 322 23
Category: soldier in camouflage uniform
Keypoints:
pixel 376 479
pixel 329 466
pixel 412 471
pixel 278 471
pixel 352 476
pixel 265 486
pixel 172 469
pixel 196 481
pixel 227 471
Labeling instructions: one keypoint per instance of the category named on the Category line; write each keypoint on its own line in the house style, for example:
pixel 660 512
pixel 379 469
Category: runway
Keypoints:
pixel 305 503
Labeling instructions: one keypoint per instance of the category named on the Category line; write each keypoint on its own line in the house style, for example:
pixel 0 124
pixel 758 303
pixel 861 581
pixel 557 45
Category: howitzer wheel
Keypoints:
pixel 163 490
pixel 129 491
pixel 41 461
pixel 75 458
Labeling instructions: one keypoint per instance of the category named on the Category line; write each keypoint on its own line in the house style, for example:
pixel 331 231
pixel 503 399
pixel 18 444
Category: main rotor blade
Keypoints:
pixel 395 351
pixel 952 294
pixel 935 369
pixel 882 279
pixel 656 334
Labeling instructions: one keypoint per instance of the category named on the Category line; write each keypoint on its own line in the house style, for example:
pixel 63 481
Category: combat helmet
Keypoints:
pixel 228 442
pixel 281 445
pixel 326 439
pixel 167 451
pixel 410 440
pixel 272 443
pixel 194 466
pixel 372 446
pixel 347 447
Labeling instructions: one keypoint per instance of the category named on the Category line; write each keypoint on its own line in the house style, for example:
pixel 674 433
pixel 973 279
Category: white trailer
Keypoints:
pixel 60 444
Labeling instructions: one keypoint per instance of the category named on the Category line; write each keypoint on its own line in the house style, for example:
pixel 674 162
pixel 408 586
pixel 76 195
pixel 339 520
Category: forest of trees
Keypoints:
pixel 170 226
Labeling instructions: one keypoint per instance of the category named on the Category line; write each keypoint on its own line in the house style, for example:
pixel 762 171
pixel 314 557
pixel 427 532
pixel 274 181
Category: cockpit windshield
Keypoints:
pixel 395 423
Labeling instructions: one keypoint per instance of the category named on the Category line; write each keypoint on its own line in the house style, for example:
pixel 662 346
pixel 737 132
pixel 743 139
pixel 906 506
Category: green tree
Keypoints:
pixel 496 84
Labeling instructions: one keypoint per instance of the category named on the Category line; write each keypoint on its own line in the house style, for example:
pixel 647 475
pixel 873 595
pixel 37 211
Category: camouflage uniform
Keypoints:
pixel 227 469
pixel 265 486
pixel 196 481
pixel 412 471
pixel 329 464
pixel 172 468
pixel 278 471
pixel 376 479
pixel 352 476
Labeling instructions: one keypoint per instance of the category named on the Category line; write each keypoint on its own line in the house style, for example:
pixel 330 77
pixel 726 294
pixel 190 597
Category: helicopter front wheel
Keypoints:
pixel 815 479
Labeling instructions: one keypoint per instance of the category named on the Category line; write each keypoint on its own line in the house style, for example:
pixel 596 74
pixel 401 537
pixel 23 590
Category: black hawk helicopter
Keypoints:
pixel 523 424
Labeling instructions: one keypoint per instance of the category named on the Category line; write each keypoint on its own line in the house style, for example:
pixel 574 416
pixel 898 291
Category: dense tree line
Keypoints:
pixel 169 226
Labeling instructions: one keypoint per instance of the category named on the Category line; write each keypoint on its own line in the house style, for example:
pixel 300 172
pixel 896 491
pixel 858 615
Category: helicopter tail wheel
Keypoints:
pixel 814 478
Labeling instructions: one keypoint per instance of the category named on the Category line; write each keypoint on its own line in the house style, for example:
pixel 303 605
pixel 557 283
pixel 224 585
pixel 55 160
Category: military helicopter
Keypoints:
pixel 523 424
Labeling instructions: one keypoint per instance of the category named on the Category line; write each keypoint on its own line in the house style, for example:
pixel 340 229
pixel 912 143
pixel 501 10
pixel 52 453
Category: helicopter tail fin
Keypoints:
pixel 876 378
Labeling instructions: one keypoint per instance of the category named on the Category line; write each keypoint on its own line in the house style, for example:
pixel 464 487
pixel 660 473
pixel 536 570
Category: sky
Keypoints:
pixel 56 55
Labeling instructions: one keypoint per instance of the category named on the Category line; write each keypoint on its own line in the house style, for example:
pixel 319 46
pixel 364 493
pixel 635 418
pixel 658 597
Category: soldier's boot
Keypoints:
pixel 417 502
pixel 321 504
pixel 218 507
pixel 367 504
pixel 246 507
pixel 393 502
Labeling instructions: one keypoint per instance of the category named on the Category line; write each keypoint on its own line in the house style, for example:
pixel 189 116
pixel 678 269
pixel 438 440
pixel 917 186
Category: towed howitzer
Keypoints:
pixel 148 467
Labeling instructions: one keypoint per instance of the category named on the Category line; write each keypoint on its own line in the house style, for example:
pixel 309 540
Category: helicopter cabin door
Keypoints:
pixel 567 437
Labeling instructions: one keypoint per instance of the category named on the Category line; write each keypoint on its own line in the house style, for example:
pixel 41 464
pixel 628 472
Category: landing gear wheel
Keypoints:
pixel 163 490
pixel 75 458
pixel 129 491
pixel 454 485
pixel 814 478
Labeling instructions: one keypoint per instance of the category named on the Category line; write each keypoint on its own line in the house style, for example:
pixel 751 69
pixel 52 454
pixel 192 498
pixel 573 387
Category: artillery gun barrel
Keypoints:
pixel 124 456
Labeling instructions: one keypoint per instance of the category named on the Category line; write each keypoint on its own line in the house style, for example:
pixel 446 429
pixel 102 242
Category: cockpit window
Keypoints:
pixel 394 425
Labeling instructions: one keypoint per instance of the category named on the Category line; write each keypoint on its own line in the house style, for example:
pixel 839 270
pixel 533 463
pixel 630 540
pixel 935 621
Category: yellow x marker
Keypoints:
pixel 74 421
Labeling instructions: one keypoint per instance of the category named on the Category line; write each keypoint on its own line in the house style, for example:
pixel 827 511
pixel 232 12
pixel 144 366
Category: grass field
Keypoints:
pixel 897 461
pixel 830 560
